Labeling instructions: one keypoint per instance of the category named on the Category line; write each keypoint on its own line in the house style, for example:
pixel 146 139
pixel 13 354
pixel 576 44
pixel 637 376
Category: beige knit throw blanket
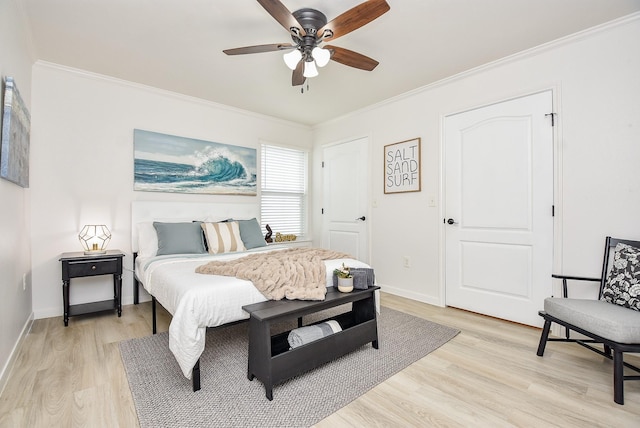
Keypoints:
pixel 294 273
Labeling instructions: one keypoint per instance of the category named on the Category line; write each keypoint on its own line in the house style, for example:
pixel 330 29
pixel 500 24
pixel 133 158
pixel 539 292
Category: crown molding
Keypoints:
pixel 163 92
pixel 528 53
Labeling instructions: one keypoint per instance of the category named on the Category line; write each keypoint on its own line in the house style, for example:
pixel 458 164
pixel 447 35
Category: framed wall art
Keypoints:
pixel 16 124
pixel 166 163
pixel 402 167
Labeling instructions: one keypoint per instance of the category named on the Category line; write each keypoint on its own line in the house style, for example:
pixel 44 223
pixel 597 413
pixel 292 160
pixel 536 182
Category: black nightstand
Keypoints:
pixel 77 265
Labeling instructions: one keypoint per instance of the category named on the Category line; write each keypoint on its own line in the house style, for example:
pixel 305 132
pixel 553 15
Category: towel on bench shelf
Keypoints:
pixel 362 278
pixel 303 335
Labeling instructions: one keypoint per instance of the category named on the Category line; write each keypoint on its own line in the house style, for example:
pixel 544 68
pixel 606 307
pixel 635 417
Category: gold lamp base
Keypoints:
pixel 95 252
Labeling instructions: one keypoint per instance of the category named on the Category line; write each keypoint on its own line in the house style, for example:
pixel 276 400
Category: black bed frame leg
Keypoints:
pixel 153 312
pixel 196 376
pixel 543 337
pixel 136 291
pixel 136 283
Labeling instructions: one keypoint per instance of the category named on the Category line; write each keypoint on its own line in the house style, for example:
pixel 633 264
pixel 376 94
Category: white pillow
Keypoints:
pixel 147 240
pixel 223 237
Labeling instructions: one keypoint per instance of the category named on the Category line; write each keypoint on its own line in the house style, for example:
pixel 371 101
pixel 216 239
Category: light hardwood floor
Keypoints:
pixel 487 376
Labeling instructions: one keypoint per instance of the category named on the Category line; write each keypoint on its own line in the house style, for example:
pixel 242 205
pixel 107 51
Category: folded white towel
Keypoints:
pixel 303 335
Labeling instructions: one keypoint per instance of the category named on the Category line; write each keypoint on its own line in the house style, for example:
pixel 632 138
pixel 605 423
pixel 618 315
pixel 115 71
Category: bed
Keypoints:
pixel 166 258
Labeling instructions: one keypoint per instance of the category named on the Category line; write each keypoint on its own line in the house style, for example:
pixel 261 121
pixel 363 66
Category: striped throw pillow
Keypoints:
pixel 223 237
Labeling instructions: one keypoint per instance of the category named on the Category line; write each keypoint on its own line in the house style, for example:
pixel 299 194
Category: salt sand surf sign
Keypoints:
pixel 402 167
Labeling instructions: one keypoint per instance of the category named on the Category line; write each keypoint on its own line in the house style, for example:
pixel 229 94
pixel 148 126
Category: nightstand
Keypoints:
pixel 78 265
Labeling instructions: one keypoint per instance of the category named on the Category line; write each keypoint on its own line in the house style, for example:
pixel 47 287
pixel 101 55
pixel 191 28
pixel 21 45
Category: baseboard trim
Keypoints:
pixel 6 370
pixel 432 300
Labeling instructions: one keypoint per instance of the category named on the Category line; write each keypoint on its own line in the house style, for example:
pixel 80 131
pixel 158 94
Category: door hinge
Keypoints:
pixel 323 164
pixel 322 211
pixel 553 210
pixel 553 118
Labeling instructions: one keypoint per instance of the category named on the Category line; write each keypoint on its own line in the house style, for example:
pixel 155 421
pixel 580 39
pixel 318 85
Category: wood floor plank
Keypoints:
pixel 488 375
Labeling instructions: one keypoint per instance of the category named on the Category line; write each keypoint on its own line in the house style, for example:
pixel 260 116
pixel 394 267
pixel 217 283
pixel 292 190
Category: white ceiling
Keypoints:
pixel 177 45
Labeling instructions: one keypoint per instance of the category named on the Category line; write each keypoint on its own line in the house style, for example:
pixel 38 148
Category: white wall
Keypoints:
pixel 82 157
pixel 82 165
pixel 15 249
pixel 597 91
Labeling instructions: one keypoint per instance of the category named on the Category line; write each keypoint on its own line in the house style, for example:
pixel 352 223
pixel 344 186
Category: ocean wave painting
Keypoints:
pixel 166 163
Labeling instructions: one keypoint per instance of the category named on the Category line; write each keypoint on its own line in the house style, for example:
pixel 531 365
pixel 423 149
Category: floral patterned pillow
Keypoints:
pixel 623 286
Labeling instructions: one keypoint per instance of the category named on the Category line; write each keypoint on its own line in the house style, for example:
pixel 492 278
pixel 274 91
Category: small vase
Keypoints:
pixel 345 284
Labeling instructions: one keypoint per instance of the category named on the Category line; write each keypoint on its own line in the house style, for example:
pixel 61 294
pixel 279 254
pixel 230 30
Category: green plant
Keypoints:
pixel 342 272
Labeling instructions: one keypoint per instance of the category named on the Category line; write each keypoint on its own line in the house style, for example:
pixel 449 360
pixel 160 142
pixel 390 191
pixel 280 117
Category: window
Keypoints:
pixel 283 189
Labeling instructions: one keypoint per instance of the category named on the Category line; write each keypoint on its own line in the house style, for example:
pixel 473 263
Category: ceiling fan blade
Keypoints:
pixel 351 58
pixel 297 77
pixel 281 14
pixel 259 48
pixel 354 18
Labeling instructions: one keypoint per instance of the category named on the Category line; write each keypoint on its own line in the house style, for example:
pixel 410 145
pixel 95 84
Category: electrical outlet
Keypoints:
pixel 406 261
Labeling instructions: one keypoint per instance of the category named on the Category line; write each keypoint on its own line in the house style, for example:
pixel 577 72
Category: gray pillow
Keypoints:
pixel 179 238
pixel 251 234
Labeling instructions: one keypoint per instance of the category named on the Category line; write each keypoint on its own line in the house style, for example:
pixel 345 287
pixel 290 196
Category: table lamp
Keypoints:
pixel 94 238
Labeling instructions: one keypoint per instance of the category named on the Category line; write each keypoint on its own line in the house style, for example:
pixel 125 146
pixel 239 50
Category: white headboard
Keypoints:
pixel 148 211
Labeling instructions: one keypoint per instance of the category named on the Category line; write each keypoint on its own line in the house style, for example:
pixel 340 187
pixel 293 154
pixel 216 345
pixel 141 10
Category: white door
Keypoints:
pixel 345 200
pixel 498 208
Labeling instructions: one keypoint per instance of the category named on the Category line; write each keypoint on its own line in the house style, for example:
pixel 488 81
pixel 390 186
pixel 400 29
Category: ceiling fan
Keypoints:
pixel 309 29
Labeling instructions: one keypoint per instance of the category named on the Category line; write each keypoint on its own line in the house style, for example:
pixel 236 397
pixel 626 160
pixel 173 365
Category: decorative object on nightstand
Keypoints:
pixel 94 238
pixel 78 265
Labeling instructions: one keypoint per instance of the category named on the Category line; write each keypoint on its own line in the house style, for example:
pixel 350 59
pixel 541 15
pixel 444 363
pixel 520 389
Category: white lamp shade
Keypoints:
pixel 292 58
pixel 310 69
pixel 94 238
pixel 322 56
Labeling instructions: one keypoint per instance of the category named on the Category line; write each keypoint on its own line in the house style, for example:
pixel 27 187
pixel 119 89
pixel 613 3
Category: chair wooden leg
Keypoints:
pixel 618 376
pixel 543 337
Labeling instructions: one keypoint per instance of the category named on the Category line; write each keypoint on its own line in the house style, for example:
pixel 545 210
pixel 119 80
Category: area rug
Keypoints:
pixel 163 396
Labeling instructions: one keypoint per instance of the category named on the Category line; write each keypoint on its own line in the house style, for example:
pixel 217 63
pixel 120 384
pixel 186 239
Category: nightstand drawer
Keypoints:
pixel 90 268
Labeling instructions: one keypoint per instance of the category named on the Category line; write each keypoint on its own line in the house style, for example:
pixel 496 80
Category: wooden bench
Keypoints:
pixel 270 358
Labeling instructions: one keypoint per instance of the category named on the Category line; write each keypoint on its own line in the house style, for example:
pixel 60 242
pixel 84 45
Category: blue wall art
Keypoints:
pixel 166 163
pixel 16 124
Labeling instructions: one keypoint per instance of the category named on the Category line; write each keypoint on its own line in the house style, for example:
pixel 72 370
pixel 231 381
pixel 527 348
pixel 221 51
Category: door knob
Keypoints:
pixel 452 221
pixel 363 218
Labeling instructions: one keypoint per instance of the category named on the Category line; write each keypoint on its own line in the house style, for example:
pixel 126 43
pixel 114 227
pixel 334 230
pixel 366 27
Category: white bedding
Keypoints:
pixel 199 301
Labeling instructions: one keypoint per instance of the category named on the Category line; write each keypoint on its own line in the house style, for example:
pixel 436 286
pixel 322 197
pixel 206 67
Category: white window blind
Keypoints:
pixel 283 190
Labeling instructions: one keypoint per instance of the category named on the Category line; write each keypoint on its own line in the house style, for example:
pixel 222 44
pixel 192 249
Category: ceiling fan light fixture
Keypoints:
pixel 292 58
pixel 322 56
pixel 309 28
pixel 310 69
